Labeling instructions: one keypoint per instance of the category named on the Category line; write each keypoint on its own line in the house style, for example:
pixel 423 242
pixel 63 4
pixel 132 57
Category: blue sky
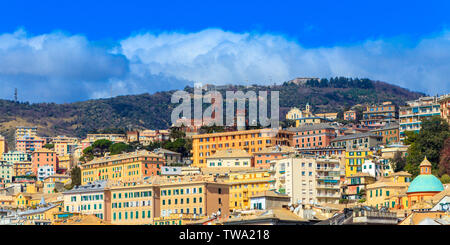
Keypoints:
pixel 103 48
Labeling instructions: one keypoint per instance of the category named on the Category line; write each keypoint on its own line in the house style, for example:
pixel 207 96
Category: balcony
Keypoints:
pixel 329 187
pixel 328 195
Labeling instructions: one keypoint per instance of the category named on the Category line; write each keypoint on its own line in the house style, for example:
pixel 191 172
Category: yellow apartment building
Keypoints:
pixel 246 184
pixel 354 161
pixel 389 191
pixel 196 195
pixel 205 145
pixel 3 146
pixel 22 168
pixel 122 167
pixel 41 215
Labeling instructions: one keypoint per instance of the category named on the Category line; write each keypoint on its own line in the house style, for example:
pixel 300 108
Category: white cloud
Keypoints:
pixel 59 67
pixel 217 56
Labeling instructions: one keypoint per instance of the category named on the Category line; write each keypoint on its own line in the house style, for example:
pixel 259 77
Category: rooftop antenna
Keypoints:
pixel 15 95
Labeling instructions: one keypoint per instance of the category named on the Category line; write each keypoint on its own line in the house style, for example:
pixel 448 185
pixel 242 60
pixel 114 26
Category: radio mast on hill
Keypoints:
pixel 15 94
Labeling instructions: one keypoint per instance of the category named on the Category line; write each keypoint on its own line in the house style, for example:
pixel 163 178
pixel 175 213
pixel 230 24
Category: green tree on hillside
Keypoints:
pixel 429 142
pixel 118 148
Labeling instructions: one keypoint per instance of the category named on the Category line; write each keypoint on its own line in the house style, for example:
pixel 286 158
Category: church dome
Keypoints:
pixel 425 182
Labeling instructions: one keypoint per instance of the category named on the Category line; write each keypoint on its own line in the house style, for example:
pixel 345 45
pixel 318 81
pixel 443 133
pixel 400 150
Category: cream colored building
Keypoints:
pixel 229 158
pixel 296 177
pixel 86 199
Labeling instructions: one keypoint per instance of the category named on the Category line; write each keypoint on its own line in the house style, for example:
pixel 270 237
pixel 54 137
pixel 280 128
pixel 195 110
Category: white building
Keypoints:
pixel 372 168
pixel 45 171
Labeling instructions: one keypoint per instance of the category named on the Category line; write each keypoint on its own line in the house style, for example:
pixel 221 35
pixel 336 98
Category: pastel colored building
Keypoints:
pixel 354 161
pixel 312 136
pixel 16 156
pixel 229 158
pixel 263 158
pixel 328 184
pixel 245 184
pixel 6 172
pixel 375 114
pixel 122 167
pixel 23 168
pixel 350 115
pixel 357 141
pixel 389 192
pixel 29 144
pixel 24 131
pixel 189 195
pixel 444 101
pixel 411 116
pixel 3 146
pixel 44 157
pixel 171 157
pixel 390 133
pixel 205 145
pixel 86 199
pixel 354 187
pixel 296 177
pixel 327 115
pixel 132 204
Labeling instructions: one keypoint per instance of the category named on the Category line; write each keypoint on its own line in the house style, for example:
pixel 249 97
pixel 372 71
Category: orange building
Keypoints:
pixel 263 158
pixel 312 136
pixel 390 133
pixel 205 145
pixel 350 115
pixel 44 157
pixel 444 101
pixel 29 144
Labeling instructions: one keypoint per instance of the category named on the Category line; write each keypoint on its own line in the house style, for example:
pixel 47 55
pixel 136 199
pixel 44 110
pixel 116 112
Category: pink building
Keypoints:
pixel 44 157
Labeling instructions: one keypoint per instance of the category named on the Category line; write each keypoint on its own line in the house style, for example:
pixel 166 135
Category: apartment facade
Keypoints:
pixel 29 144
pixel 350 115
pixel 263 158
pixel 390 133
pixel 205 145
pixel 44 157
pixel 444 102
pixel 194 195
pixel 229 158
pixel 296 177
pixel 375 114
pixel 16 156
pixel 312 136
pixel 411 116
pixel 122 167
pixel 86 199
pixel 246 184
pixel 354 161
pixel 328 183
pixel 131 204
pixel 357 141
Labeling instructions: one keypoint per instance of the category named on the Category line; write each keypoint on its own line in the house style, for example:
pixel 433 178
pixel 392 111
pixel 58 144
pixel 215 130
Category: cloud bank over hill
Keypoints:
pixel 59 67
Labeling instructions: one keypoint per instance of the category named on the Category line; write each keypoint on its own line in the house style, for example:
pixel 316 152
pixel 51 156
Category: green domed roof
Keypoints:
pixel 425 183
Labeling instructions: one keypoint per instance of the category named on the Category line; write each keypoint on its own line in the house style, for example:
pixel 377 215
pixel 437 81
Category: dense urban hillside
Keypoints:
pixel 153 110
